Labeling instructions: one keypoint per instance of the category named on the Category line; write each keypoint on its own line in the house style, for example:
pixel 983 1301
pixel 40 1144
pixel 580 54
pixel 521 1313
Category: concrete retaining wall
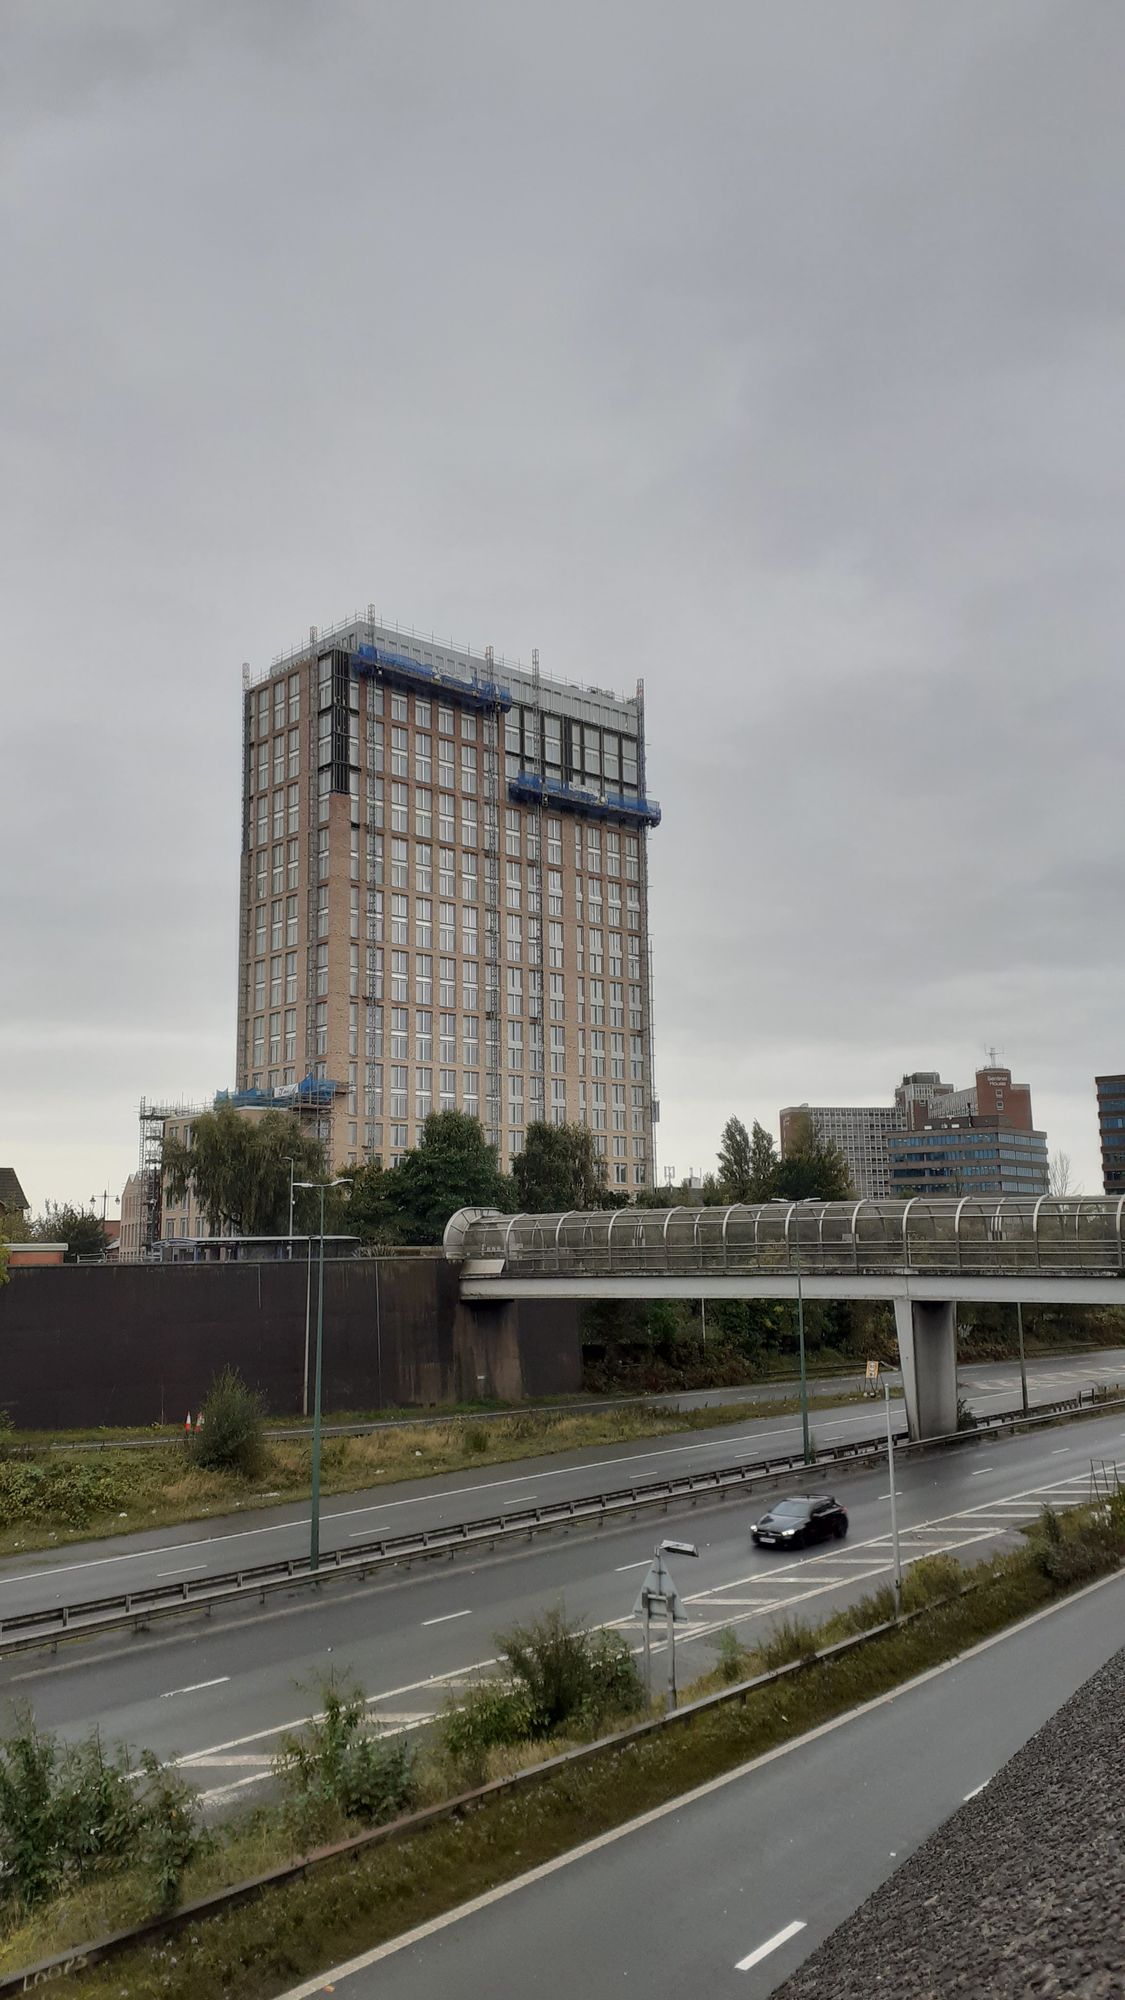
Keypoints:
pixel 139 1344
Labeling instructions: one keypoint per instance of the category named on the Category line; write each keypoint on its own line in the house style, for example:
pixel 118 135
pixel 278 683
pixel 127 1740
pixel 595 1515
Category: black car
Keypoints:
pixel 793 1524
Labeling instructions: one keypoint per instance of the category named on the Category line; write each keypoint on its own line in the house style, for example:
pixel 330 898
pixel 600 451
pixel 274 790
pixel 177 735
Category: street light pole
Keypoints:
pixel 1023 1358
pixel 894 1500
pixel 801 1342
pixel 314 1510
pixel 314 1518
pixel 291 1164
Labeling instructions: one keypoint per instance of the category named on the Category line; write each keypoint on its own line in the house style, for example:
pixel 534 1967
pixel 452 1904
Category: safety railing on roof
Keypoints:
pixel 1013 1236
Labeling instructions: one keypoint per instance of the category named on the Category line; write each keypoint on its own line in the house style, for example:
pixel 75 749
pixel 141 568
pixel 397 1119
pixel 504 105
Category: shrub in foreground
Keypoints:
pixel 338 1768
pixel 232 1433
pixel 559 1677
pixel 69 1812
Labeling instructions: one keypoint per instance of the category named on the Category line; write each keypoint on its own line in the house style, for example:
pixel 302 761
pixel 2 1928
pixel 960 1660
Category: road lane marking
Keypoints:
pixel 300 1721
pixel 980 1469
pixel 960 1529
pixel 976 1791
pixel 771 1944
pixel 446 1616
pixel 419 1499
pixel 622 1567
pixel 186 1569
pixel 195 1687
pixel 312 1988
pixel 1059 1447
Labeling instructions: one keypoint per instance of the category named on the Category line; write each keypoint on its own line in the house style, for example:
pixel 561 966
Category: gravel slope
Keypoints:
pixel 1021 1893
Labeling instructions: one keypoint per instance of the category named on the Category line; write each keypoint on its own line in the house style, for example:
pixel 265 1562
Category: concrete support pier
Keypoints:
pixel 927 1345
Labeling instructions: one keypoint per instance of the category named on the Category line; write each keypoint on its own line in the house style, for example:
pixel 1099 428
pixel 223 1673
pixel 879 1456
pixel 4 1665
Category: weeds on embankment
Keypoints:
pixel 48 1498
pixel 352 1903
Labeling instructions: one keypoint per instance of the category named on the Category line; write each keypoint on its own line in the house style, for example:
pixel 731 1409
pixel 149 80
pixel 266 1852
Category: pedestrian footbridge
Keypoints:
pixel 924 1255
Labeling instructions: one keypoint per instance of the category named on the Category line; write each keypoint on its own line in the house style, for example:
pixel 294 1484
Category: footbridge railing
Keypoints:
pixel 1043 1236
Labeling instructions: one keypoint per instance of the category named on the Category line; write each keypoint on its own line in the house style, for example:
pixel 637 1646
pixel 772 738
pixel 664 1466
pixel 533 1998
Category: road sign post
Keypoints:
pixel 658 1594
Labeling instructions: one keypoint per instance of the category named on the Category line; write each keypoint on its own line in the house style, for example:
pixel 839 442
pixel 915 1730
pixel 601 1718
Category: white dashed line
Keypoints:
pixel 771 1944
pixel 446 1616
pixel 195 1687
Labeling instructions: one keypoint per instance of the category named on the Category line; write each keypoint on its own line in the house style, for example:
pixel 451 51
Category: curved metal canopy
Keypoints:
pixel 971 1234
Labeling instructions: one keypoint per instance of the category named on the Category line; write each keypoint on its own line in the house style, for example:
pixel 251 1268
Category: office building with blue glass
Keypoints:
pixel 1111 1131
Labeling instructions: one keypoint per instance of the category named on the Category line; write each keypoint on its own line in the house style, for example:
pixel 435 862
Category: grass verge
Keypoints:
pixel 47 1499
pixel 350 1904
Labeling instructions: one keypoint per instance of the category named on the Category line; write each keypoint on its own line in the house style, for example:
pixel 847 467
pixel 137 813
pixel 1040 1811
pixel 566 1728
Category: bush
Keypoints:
pixel 475 1441
pixel 926 1581
pixel 615 1686
pixel 791 1639
pixel 732 1663
pixel 1065 1554
pixel 68 1812
pixel 171 1836
pixel 67 1489
pixel 232 1436
pixel 339 1768
pixel 491 1716
pixel 558 1677
pixel 966 1421
pixel 566 1675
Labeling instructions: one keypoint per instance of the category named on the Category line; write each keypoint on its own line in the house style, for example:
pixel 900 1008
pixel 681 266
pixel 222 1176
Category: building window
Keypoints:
pixel 471 1040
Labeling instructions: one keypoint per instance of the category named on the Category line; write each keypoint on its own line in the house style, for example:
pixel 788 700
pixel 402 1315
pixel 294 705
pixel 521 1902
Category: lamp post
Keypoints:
pixel 894 1500
pixel 805 1440
pixel 314 1512
pixel 291 1164
pixel 1023 1357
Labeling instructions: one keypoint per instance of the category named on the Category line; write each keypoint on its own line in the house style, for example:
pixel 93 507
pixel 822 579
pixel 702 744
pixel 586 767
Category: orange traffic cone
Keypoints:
pixel 187 1425
pixel 199 1421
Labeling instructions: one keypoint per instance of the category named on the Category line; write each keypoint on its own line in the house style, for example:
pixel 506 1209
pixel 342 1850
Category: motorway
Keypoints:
pixel 728 1890
pixel 215 1694
pixel 91 1569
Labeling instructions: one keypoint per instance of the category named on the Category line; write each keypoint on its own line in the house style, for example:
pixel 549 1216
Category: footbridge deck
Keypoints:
pixel 923 1255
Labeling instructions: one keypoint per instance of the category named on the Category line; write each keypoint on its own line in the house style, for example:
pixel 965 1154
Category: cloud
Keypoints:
pixel 771 354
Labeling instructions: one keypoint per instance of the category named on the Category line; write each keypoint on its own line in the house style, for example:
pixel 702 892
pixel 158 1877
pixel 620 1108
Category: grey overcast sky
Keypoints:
pixel 773 352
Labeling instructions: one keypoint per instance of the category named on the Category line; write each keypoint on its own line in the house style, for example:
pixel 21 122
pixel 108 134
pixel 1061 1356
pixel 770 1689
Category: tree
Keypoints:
pixel 238 1169
pixel 365 1203
pixel 558 1169
pixel 812 1170
pixel 79 1228
pixel 1060 1175
pixel 453 1167
pixel 735 1161
pixel 3 1263
pixel 763 1164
